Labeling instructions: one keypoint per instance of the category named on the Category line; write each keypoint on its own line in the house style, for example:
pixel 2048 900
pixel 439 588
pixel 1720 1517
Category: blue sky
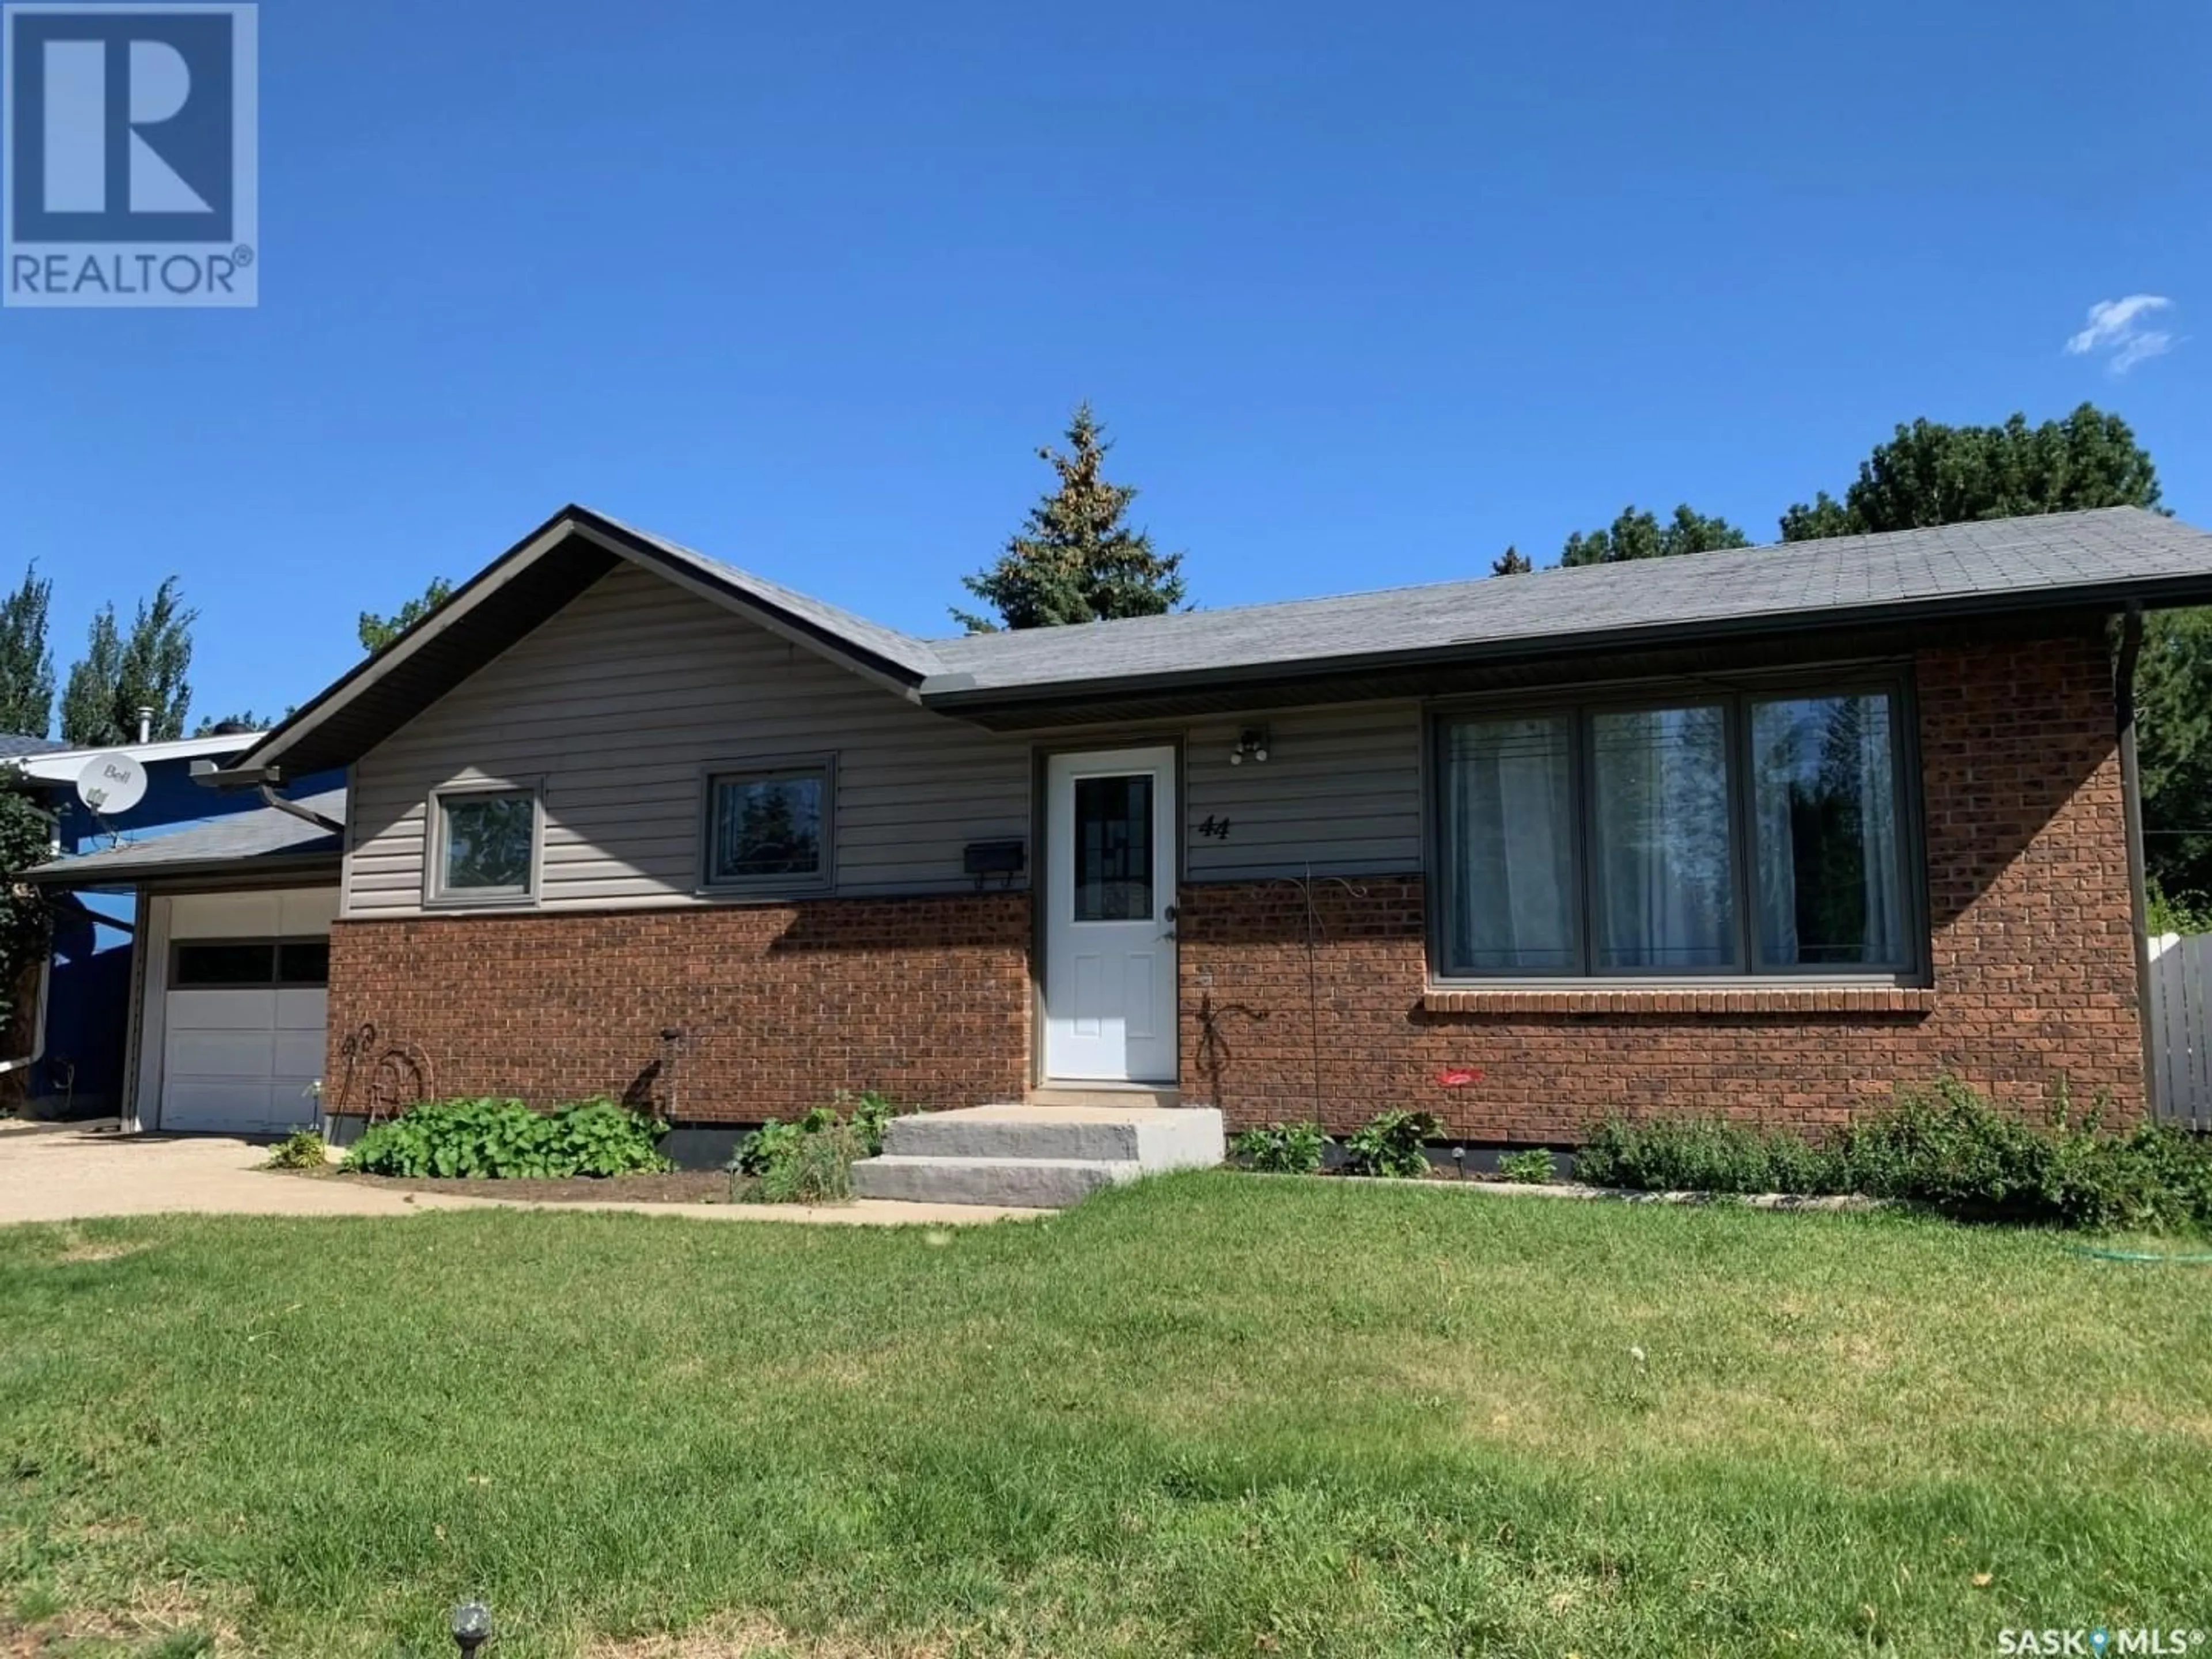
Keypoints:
pixel 1364 292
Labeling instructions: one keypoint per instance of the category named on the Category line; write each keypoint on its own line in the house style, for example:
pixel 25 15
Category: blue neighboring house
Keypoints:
pixel 80 1072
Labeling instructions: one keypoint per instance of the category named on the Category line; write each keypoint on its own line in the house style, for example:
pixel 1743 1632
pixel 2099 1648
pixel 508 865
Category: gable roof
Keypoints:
pixel 2081 561
pixel 524 588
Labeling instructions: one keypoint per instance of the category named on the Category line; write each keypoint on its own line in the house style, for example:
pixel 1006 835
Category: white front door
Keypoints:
pixel 1109 890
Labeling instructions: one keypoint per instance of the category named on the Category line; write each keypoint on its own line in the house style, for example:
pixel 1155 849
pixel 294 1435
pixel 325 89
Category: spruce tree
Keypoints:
pixel 1075 560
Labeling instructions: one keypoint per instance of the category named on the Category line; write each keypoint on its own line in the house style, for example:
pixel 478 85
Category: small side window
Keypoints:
pixel 769 829
pixel 487 844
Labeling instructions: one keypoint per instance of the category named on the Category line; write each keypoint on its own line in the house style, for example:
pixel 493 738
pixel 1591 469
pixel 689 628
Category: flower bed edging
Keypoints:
pixel 1825 1202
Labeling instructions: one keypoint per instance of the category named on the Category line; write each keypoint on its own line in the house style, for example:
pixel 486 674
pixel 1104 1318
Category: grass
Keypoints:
pixel 1209 1414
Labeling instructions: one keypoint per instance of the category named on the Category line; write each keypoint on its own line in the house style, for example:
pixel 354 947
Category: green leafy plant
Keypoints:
pixel 1282 1148
pixel 1945 1146
pixel 504 1139
pixel 1949 1147
pixel 1535 1166
pixel 869 1113
pixel 810 1160
pixel 1704 1155
pixel 1391 1143
pixel 303 1149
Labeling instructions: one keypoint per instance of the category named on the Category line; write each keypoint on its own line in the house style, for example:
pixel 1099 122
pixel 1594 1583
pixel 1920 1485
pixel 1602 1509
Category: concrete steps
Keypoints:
pixel 1034 1157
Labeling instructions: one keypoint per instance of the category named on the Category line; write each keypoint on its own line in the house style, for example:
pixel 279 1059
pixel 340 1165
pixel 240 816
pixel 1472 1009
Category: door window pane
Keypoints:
pixel 1509 833
pixel 487 843
pixel 1824 804
pixel 1662 889
pixel 1113 848
pixel 768 827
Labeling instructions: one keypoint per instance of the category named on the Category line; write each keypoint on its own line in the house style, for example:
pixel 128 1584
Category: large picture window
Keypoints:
pixel 1744 833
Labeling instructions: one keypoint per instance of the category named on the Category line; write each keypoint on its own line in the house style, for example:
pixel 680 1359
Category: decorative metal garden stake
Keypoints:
pixel 472 1627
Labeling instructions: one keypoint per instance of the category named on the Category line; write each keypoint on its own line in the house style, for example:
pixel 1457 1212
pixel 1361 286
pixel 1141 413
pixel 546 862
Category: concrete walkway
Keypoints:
pixel 73 1172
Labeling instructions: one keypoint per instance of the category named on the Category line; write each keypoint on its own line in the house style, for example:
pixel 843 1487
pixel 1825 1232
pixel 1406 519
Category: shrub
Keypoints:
pixel 1945 1146
pixel 1949 1147
pixel 1535 1166
pixel 1282 1148
pixel 1704 1155
pixel 303 1149
pixel 809 1161
pixel 1393 1143
pixel 505 1139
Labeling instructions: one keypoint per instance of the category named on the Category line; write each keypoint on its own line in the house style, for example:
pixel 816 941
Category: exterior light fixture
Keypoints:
pixel 472 1626
pixel 1251 745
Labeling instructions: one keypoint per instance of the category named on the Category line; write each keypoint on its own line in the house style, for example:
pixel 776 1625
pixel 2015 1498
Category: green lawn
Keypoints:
pixel 1214 1414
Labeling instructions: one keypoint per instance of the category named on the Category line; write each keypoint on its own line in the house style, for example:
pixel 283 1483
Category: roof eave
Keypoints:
pixel 952 696
pixel 274 868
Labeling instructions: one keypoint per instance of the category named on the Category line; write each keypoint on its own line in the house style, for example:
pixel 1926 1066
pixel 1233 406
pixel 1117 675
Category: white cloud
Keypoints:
pixel 2113 328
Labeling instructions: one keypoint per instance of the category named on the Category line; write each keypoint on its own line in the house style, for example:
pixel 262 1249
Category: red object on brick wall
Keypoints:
pixel 925 999
pixel 2032 954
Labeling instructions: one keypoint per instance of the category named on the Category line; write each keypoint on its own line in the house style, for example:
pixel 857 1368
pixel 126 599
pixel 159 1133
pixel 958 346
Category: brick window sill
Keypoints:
pixel 1895 1000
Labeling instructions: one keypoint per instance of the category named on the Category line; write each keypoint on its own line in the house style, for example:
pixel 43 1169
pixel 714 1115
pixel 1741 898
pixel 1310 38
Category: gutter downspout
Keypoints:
pixel 271 798
pixel 2123 710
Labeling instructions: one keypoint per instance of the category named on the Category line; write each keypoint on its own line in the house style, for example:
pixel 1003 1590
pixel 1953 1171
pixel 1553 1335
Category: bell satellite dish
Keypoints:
pixel 112 783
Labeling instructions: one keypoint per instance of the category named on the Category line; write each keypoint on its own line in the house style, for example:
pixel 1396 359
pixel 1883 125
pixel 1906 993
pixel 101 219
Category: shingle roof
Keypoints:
pixel 916 656
pixel 239 838
pixel 2080 560
pixel 14 745
pixel 1991 565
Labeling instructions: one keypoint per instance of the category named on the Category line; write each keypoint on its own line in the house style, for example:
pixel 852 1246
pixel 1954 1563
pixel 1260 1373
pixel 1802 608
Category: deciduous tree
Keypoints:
pixel 118 675
pixel 1640 535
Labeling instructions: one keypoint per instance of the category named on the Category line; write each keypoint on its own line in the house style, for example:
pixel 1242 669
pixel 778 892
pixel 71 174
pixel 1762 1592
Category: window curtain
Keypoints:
pixel 1659 822
pixel 1510 833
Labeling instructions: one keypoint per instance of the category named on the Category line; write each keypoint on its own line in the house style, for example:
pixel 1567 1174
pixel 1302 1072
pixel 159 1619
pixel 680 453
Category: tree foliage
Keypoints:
pixel 1511 563
pixel 1640 535
pixel 1075 559
pixel 118 676
pixel 223 726
pixel 1931 474
pixel 2173 745
pixel 27 665
pixel 376 632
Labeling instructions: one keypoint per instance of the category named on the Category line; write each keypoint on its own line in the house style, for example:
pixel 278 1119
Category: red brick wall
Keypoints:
pixel 925 999
pixel 2032 949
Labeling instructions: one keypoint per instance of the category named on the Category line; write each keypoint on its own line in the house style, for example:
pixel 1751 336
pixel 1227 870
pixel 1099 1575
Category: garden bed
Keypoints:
pixel 669 1186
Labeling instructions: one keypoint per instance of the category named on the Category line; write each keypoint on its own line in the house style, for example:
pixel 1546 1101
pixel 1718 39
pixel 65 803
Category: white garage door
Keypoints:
pixel 244 1011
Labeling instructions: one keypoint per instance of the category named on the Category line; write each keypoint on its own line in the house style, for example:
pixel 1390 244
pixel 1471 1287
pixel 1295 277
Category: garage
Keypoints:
pixel 230 963
pixel 244 1002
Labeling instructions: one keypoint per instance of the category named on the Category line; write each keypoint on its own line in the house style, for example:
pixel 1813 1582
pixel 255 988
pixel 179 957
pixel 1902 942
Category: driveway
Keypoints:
pixel 72 1172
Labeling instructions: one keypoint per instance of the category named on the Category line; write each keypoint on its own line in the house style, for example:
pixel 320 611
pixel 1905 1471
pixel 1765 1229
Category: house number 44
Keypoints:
pixel 1215 829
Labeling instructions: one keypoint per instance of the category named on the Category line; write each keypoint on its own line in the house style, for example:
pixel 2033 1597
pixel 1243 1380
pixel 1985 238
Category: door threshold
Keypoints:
pixel 1077 1092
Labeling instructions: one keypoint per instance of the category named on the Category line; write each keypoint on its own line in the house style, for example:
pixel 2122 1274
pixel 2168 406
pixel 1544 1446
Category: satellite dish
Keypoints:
pixel 112 783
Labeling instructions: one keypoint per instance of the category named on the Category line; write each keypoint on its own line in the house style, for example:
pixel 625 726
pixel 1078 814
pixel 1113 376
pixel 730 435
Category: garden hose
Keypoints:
pixel 2195 1259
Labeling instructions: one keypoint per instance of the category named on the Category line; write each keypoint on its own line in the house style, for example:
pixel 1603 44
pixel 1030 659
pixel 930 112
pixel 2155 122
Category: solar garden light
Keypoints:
pixel 472 1627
